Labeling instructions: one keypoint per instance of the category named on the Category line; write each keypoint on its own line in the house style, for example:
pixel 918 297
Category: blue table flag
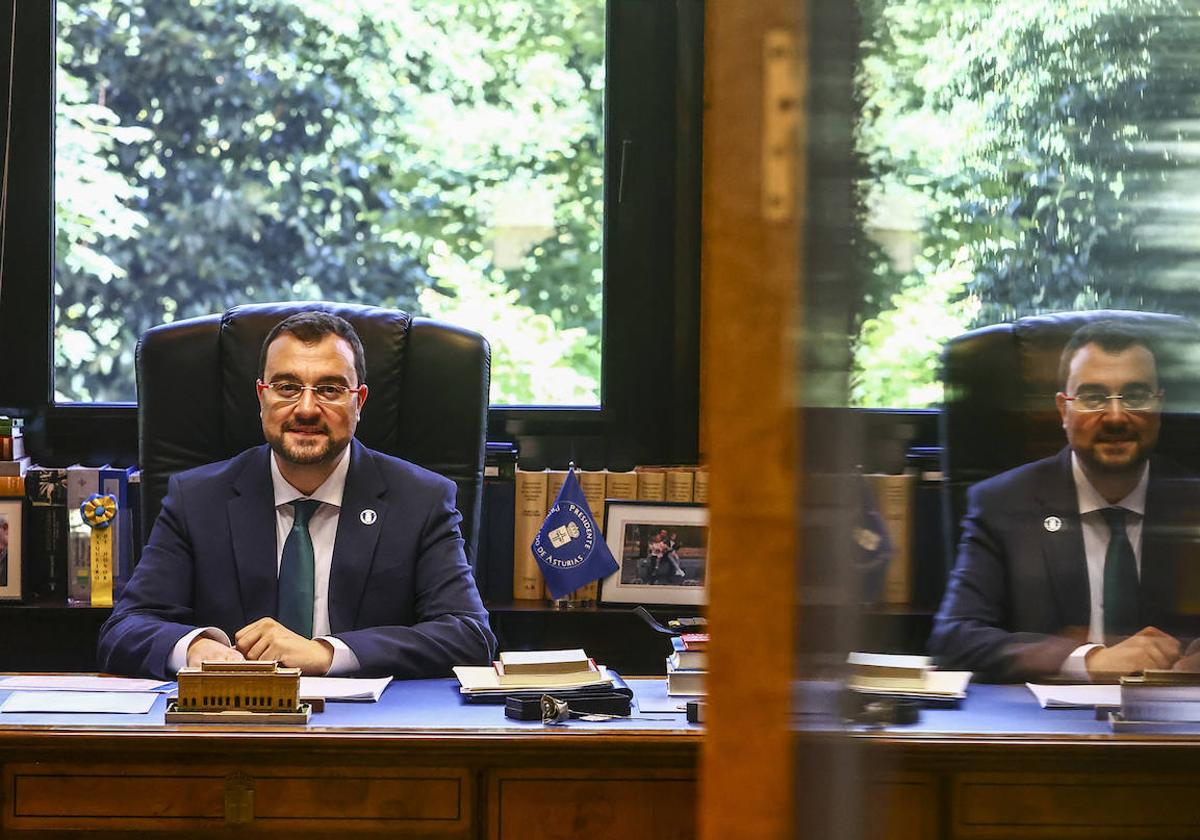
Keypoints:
pixel 570 548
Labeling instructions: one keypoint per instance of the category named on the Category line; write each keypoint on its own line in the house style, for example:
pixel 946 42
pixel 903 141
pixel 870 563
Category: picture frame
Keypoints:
pixel 11 544
pixel 661 549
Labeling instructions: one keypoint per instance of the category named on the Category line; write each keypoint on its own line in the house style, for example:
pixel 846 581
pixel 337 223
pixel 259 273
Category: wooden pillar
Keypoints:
pixel 752 204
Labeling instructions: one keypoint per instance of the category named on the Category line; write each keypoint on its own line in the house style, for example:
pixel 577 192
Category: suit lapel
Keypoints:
pixel 1062 544
pixel 1162 539
pixel 354 547
pixel 252 526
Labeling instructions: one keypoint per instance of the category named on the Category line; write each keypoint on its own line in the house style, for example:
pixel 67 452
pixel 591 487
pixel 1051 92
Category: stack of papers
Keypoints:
pixel 78 702
pixel 344 688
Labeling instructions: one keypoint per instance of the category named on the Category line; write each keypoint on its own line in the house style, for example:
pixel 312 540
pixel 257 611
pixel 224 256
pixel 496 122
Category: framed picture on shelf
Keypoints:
pixel 661 551
pixel 10 549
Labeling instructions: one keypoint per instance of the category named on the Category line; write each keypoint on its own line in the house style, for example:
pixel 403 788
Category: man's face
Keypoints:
pixel 308 431
pixel 3 534
pixel 1114 440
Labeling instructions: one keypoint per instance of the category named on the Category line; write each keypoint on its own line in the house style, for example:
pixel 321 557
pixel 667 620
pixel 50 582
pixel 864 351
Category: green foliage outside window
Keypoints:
pixel 1024 156
pixel 217 152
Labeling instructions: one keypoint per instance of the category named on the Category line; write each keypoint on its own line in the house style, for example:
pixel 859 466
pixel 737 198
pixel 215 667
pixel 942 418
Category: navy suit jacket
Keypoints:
pixel 401 594
pixel 1018 602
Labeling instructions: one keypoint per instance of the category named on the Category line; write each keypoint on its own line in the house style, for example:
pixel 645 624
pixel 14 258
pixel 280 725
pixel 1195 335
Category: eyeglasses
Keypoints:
pixel 289 392
pixel 1135 399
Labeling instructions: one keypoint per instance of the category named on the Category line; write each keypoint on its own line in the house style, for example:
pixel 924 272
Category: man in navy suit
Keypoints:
pixel 1067 566
pixel 311 549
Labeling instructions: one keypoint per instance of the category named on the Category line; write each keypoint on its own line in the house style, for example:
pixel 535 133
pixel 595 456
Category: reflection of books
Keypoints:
pixel 882 670
pixel 937 685
pixel 904 676
pixel 894 496
pixel 1161 696
pixel 545 661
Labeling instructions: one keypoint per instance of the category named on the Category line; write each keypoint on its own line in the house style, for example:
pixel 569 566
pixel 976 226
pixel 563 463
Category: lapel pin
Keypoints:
pixel 1052 523
pixel 367 517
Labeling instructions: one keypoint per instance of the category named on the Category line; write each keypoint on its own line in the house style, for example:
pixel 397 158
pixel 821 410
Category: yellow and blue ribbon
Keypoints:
pixel 99 512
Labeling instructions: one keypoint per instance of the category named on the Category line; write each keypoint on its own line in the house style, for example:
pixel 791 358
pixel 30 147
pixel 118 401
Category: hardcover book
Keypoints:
pixel 46 492
pixel 530 514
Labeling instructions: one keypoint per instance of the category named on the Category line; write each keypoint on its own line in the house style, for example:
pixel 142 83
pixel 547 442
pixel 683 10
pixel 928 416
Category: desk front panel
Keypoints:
pixel 1000 767
pixel 416 764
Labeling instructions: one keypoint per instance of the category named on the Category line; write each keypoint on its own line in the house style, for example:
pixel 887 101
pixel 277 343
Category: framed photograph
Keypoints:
pixel 661 551
pixel 10 549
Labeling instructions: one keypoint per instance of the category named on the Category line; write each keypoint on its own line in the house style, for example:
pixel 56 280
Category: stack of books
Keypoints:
pixel 530 670
pixel 687 665
pixel 913 677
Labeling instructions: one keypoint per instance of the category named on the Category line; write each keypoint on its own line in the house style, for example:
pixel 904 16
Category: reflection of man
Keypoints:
pixel 312 549
pixel 3 551
pixel 1064 568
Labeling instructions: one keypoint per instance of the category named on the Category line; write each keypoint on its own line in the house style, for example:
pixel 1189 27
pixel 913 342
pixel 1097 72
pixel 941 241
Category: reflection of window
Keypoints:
pixel 441 156
pixel 1023 156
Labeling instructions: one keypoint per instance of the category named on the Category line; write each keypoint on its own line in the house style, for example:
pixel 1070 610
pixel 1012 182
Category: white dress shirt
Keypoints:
pixel 1095 546
pixel 322 529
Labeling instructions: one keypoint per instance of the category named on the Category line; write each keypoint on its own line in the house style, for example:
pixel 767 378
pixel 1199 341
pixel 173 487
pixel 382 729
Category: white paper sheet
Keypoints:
pixel 71 682
pixel 343 688
pixel 1075 696
pixel 79 702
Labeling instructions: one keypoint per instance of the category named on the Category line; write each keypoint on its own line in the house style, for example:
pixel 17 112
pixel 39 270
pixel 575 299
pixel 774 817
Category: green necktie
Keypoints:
pixel 296 587
pixel 1120 578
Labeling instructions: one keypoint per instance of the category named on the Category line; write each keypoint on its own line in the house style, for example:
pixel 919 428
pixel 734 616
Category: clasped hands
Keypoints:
pixel 1149 648
pixel 265 639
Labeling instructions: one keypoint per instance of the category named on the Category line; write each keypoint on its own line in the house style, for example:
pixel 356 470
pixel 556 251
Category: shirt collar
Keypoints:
pixel 330 492
pixel 1089 497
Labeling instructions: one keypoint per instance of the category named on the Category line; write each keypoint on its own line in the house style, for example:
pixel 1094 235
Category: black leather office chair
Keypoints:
pixel 428 402
pixel 999 409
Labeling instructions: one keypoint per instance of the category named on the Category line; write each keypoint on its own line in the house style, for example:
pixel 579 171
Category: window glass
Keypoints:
pixel 1020 157
pixel 439 156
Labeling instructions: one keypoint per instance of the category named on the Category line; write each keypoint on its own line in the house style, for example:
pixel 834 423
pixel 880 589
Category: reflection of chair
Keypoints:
pixel 999 407
pixel 428 400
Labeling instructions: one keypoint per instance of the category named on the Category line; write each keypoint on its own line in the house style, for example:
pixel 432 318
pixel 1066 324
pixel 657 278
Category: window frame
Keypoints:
pixel 649 389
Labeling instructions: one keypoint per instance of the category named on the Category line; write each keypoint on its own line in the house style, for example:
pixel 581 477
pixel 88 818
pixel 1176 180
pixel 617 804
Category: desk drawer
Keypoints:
pixel 1080 805
pixel 556 804
pixel 288 799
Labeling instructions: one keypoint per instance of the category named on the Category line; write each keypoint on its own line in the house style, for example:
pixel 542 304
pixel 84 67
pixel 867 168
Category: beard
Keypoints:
pixel 313 449
pixel 1117 454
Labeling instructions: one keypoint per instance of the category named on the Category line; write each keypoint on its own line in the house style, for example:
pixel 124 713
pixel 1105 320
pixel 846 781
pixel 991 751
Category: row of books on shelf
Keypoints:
pixel 535 491
pixel 48 547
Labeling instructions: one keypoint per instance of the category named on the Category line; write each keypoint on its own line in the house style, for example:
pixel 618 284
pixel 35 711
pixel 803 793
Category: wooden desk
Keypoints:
pixel 1000 767
pixel 417 764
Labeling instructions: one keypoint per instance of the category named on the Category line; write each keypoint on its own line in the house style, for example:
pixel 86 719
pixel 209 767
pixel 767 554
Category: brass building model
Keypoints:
pixel 263 692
